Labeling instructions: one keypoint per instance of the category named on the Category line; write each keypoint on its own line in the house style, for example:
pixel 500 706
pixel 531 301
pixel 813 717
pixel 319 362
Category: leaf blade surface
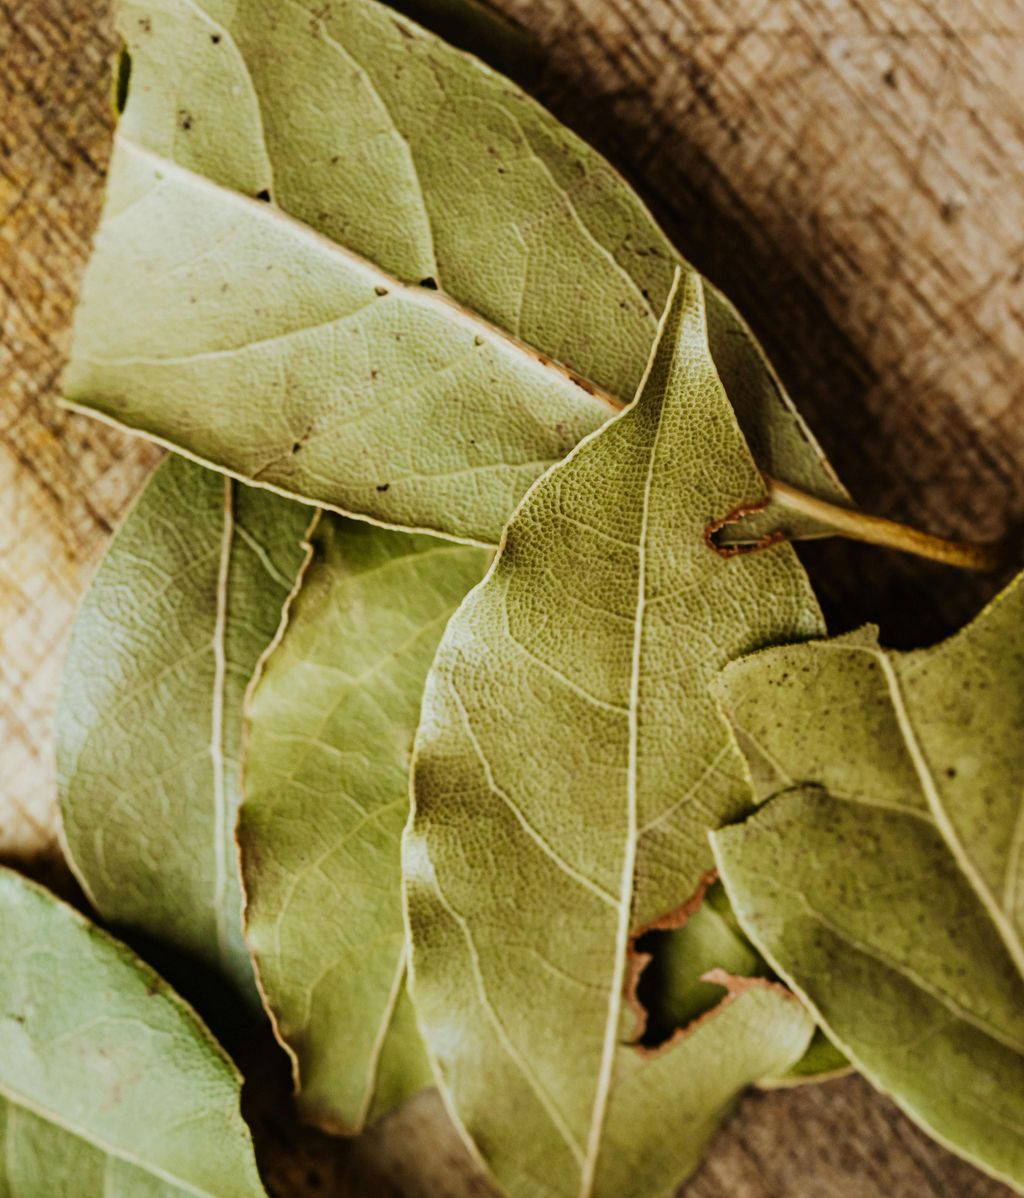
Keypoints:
pixel 567 768
pixel 108 1081
pixel 149 726
pixel 882 881
pixel 331 723
pixel 390 159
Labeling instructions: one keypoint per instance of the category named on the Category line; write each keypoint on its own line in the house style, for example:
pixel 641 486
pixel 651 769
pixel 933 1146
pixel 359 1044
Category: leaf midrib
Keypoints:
pixel 588 1175
pixel 946 827
pixel 377 276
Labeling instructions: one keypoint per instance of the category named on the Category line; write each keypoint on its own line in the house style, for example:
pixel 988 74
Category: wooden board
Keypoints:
pixel 850 172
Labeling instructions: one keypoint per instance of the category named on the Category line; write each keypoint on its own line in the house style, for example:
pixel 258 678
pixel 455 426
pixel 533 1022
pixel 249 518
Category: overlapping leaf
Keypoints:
pixel 286 177
pixel 568 765
pixel 149 728
pixel 332 721
pixel 886 880
pixel 110 1087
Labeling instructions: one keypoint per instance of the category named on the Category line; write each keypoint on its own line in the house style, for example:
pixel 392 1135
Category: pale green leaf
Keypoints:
pixel 673 963
pixel 290 342
pixel 568 766
pixel 110 1087
pixel 330 733
pixel 886 880
pixel 149 727
pixel 678 983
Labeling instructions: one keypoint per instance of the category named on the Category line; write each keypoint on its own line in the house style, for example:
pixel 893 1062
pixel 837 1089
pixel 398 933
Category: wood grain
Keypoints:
pixel 850 172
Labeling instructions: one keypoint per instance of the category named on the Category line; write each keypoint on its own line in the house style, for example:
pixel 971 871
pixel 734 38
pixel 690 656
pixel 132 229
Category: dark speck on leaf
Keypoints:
pixel 263 195
pixel 951 772
pixel 185 119
pixel 429 282
pixel 296 447
pixel 889 78
pixel 380 291
pixel 215 38
pixel 383 486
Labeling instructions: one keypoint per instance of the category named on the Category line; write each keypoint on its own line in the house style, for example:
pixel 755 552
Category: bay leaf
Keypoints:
pixel 149 725
pixel 567 768
pixel 885 881
pixel 675 984
pixel 331 722
pixel 349 263
pixel 672 964
pixel 110 1087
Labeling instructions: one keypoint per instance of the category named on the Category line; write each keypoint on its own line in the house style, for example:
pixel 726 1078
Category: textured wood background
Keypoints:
pixel 850 171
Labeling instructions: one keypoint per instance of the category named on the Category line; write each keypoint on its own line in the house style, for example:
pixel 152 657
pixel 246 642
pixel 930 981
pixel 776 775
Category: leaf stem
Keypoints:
pixel 858 526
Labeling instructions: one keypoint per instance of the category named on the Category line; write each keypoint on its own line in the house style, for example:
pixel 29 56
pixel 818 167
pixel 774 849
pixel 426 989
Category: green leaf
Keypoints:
pixel 886 880
pixel 291 343
pixel 677 966
pixel 568 765
pixel 110 1087
pixel 674 962
pixel 148 731
pixel 331 726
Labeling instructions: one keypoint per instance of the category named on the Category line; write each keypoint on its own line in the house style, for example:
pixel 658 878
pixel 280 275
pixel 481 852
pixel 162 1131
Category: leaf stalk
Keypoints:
pixel 890 534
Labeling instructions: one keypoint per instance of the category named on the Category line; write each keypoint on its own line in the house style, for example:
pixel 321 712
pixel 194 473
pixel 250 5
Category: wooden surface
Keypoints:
pixel 849 171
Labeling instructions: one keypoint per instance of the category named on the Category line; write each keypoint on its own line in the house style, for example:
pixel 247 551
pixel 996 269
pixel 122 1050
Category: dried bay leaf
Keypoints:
pixel 286 176
pixel 149 726
pixel 331 725
pixel 885 881
pixel 676 971
pixel 568 766
pixel 110 1087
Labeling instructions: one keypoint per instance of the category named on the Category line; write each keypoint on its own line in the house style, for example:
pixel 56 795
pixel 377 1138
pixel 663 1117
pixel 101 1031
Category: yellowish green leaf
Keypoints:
pixel 350 263
pixel 885 882
pixel 149 727
pixel 330 733
pixel 568 766
pixel 110 1087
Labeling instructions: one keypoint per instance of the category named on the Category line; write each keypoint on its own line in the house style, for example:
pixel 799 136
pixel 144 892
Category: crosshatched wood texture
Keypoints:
pixel 850 171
